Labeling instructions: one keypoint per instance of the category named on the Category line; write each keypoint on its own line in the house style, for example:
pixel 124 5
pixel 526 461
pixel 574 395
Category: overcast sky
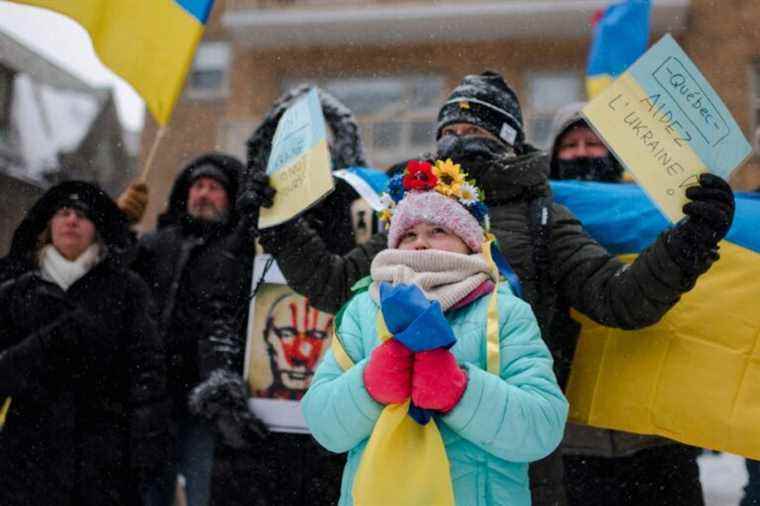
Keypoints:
pixel 66 43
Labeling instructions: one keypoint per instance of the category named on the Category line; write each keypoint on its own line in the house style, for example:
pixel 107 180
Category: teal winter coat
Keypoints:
pixel 500 424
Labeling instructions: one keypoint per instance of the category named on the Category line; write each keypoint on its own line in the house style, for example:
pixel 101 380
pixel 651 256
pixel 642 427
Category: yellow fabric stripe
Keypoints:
pixel 4 411
pixel 404 463
pixel 339 352
pixel 382 329
pixel 492 319
pixel 693 377
pixel 150 43
pixel 596 84
pixel 492 333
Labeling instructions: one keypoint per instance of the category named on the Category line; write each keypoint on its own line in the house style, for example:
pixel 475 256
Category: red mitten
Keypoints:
pixel 388 375
pixel 438 382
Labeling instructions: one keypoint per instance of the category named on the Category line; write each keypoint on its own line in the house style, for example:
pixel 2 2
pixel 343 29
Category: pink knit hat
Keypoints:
pixel 434 208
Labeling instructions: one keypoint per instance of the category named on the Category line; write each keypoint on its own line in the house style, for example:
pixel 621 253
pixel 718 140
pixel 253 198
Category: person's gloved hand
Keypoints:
pixel 401 305
pixel 693 241
pixel 133 201
pixel 388 375
pixel 413 319
pixel 258 194
pixel 438 382
pixel 223 400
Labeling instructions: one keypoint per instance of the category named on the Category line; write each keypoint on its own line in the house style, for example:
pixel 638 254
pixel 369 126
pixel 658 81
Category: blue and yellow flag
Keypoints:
pixel 620 36
pixel 693 377
pixel 150 43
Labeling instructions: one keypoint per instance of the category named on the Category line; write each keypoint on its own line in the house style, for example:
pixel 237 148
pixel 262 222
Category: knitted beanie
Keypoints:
pixel 486 101
pixel 439 194
pixel 433 208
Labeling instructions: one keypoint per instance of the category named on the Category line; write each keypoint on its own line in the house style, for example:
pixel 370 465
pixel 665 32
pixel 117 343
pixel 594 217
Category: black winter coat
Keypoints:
pixel 88 417
pixel 199 274
pixel 85 371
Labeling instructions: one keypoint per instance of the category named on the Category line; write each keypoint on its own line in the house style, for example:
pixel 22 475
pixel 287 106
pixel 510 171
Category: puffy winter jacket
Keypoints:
pixel 499 425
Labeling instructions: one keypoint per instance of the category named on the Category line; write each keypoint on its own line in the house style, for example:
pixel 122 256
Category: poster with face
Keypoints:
pixel 287 338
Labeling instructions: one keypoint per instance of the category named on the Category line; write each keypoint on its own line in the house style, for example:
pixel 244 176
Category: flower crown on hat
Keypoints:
pixel 442 176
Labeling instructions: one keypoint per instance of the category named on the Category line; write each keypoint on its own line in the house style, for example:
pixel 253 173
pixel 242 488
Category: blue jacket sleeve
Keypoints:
pixel 521 415
pixel 337 408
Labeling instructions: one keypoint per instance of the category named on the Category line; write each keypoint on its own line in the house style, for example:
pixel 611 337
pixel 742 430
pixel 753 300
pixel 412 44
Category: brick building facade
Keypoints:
pixel 393 62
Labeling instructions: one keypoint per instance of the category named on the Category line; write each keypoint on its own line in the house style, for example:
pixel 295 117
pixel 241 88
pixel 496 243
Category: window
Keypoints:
pixel 6 88
pixel 396 115
pixel 232 136
pixel 546 92
pixel 755 106
pixel 209 75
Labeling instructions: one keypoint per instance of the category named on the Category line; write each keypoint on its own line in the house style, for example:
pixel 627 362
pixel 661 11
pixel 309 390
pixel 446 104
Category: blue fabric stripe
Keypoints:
pixel 199 9
pixel 620 37
pixel 623 219
pixel 506 270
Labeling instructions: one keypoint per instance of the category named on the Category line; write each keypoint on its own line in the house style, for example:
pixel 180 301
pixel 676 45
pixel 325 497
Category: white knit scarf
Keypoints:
pixel 441 275
pixel 56 268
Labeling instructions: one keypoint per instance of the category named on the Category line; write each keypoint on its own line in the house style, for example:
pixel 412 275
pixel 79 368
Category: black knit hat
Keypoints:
pixel 488 102
pixel 223 168
pixel 212 171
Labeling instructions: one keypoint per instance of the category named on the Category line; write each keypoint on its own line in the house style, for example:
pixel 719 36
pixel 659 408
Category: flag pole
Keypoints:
pixel 152 154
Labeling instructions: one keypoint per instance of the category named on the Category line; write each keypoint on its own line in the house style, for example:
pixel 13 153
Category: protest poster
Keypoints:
pixel 286 338
pixel 299 165
pixel 666 125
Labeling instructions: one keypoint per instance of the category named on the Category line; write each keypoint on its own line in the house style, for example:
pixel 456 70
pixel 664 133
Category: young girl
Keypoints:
pixel 436 334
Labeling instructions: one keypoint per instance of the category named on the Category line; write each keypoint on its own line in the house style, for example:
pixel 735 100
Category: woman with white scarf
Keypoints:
pixel 81 368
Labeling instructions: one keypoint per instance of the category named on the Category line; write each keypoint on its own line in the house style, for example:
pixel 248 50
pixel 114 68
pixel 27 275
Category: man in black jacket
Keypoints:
pixel 480 126
pixel 198 265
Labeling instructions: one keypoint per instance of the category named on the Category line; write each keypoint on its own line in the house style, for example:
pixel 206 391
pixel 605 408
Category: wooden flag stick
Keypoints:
pixel 152 154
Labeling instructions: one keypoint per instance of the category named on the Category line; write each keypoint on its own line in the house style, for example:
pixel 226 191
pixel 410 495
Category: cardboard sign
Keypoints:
pixel 666 125
pixel 299 166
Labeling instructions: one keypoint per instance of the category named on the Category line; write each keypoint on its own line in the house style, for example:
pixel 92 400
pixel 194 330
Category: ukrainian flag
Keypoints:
pixel 620 36
pixel 693 377
pixel 150 43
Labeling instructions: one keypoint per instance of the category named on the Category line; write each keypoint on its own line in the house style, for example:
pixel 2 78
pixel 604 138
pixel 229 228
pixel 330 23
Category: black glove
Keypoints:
pixel 693 241
pixel 258 194
pixel 223 400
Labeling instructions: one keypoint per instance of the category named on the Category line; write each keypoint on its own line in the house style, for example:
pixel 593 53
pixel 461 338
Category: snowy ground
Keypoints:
pixel 723 477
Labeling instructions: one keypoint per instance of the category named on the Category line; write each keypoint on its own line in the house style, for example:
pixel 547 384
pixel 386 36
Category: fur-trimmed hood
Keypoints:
pixel 109 221
pixel 566 117
pixel 346 148
pixel 177 208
